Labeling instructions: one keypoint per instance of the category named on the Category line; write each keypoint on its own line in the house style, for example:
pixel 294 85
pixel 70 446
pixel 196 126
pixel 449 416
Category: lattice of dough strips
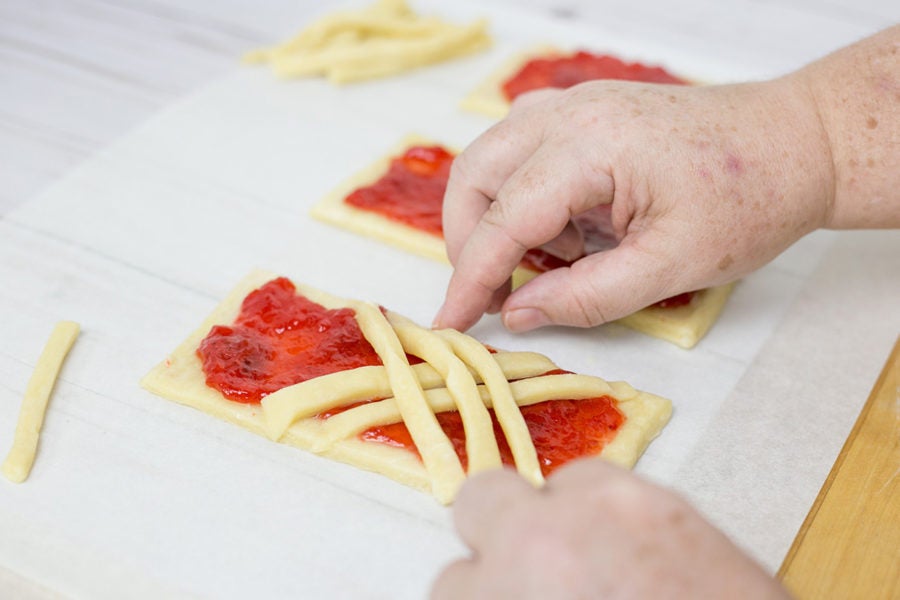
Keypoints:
pixel 458 374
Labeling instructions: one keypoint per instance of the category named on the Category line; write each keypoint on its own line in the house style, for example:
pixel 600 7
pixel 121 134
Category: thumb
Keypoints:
pixel 596 289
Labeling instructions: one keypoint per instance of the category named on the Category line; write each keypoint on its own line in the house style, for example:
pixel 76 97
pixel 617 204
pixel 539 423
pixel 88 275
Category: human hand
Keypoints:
pixel 705 185
pixel 594 530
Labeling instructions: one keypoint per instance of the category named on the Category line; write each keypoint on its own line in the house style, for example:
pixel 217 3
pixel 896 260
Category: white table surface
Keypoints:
pixel 78 75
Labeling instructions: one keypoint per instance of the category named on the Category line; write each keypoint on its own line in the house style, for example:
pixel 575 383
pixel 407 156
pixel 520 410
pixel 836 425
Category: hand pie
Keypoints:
pixel 549 67
pixel 357 383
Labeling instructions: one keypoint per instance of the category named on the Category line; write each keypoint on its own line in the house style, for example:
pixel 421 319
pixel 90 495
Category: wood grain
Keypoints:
pixel 849 544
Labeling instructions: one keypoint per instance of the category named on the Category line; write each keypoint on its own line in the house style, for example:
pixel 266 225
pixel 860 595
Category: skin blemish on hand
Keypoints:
pixel 871 122
pixel 733 165
pixel 726 262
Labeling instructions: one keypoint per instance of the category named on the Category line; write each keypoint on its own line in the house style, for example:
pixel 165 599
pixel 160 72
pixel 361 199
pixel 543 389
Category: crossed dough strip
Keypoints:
pixel 411 394
pixel 440 459
pixel 315 396
pixel 683 326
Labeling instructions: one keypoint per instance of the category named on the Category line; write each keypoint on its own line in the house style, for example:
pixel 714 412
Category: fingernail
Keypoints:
pixel 525 319
pixel 437 322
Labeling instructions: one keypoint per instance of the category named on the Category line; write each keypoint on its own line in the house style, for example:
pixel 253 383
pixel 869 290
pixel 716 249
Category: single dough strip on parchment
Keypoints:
pixel 20 459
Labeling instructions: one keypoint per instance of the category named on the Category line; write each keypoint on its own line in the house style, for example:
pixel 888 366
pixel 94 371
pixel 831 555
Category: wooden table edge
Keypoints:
pixel 809 577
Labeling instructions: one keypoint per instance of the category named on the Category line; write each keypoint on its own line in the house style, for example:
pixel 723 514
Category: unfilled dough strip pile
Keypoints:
pixel 380 40
pixel 17 465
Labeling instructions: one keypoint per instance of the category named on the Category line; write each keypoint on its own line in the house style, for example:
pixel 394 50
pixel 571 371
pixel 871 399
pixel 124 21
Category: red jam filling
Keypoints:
pixel 566 71
pixel 281 338
pixel 562 430
pixel 412 190
pixel 676 301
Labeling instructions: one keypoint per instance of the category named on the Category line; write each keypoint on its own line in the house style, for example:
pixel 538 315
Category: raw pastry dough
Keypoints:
pixel 488 97
pixel 20 459
pixel 684 326
pixel 456 375
pixel 380 40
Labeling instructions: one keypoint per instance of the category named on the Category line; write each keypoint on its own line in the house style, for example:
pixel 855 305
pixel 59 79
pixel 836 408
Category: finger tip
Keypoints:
pixel 448 318
pixel 441 321
pixel 519 320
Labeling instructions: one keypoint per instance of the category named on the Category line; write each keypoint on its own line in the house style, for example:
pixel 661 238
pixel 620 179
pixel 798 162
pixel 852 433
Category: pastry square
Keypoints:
pixel 354 382
pixel 489 97
pixel 683 325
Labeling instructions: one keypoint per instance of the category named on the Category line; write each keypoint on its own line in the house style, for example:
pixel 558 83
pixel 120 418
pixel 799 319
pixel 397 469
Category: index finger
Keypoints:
pixel 477 175
pixel 533 207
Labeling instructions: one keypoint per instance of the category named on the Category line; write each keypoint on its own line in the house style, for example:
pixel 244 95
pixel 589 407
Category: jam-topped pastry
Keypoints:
pixel 399 199
pixel 358 383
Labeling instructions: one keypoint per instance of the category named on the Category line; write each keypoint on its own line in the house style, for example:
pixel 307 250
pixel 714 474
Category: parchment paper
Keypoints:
pixel 134 495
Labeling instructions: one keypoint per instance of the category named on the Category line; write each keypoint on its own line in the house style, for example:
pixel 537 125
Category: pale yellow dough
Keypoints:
pixel 379 40
pixel 455 376
pixel 683 326
pixel 20 459
pixel 488 98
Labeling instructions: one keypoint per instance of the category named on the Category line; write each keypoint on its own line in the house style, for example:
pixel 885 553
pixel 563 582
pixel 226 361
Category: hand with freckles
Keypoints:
pixel 701 185
pixel 593 531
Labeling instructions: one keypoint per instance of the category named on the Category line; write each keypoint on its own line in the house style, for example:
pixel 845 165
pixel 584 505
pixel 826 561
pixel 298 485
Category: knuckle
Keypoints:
pixel 586 298
pixel 461 168
pixel 500 217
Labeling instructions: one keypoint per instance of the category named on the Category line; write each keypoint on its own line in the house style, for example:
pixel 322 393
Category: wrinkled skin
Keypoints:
pixel 705 184
pixel 593 531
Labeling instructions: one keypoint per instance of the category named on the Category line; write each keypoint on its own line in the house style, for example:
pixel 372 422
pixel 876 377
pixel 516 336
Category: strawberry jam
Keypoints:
pixel 562 430
pixel 566 71
pixel 281 338
pixel 412 193
pixel 412 190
